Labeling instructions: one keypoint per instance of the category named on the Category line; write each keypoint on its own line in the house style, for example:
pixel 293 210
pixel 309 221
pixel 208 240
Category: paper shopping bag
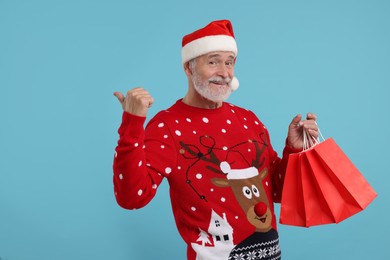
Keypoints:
pixel 317 211
pixel 344 188
pixel 292 211
pixel 323 186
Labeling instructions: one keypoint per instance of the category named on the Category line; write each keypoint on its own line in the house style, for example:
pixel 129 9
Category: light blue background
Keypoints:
pixel 60 62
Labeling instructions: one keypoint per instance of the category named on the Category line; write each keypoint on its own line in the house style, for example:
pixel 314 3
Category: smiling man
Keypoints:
pixel 223 173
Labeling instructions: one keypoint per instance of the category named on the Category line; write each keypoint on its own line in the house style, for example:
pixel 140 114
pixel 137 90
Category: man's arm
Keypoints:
pixel 135 183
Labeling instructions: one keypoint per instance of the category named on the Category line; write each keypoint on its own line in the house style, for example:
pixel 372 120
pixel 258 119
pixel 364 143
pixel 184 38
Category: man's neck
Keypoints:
pixel 200 102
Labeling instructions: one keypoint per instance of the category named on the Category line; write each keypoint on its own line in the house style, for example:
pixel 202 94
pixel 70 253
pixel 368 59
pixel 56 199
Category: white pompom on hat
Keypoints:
pixel 216 36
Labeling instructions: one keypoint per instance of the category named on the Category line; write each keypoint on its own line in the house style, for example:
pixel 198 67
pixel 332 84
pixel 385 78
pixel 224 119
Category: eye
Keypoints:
pixel 247 192
pixel 229 63
pixel 213 62
pixel 255 191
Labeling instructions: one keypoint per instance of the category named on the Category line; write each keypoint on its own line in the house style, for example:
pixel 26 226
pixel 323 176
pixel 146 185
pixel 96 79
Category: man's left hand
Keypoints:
pixel 296 127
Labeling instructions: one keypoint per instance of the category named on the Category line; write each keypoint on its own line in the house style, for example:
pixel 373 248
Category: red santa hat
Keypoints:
pixel 238 174
pixel 216 36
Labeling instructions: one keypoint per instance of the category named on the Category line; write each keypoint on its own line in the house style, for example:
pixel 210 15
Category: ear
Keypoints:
pixel 187 68
pixel 263 173
pixel 223 183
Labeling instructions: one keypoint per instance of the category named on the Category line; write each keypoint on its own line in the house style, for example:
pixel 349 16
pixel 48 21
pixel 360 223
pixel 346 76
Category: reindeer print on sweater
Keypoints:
pixel 223 173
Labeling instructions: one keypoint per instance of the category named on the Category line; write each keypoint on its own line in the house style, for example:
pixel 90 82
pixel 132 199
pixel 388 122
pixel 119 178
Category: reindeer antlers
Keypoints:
pixel 189 151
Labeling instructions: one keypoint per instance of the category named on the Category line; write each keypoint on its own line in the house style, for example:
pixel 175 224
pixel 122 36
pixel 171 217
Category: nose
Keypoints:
pixel 260 208
pixel 223 71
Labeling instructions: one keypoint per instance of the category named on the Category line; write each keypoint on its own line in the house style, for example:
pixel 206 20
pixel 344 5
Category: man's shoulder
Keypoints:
pixel 239 109
pixel 166 114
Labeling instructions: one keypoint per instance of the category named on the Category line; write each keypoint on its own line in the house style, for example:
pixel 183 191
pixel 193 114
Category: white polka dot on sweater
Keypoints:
pixel 121 176
pixel 245 127
pixel 224 148
pixel 136 145
pixel 162 146
pixel 193 208
pixel 199 176
pixel 188 120
pixel 205 119
pixel 168 170
pixel 139 163
pixel 161 125
pixel 257 123
pixel 178 133
pixel 223 131
pixel 154 186
pixel 140 192
pixel 229 122
pixel 223 199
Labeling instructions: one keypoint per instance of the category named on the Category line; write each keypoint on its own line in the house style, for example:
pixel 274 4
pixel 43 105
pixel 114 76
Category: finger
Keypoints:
pixel 151 102
pixel 136 91
pixel 313 133
pixel 311 116
pixel 119 96
pixel 296 121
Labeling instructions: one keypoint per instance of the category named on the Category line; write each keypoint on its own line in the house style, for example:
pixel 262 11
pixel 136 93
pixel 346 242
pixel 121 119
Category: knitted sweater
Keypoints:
pixel 222 170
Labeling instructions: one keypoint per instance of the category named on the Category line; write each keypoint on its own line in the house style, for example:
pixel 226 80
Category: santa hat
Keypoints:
pixel 238 174
pixel 216 36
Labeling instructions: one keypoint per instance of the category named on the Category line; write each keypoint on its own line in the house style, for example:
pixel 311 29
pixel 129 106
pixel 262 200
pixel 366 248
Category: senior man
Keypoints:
pixel 223 173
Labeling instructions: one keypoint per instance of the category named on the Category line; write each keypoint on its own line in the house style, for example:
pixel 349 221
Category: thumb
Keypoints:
pixel 119 96
pixel 296 120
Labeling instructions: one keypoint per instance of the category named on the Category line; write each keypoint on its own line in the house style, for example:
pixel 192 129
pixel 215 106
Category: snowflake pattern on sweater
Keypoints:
pixel 223 173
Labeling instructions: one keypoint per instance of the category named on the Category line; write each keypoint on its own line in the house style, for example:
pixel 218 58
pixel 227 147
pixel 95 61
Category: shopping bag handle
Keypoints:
pixel 310 141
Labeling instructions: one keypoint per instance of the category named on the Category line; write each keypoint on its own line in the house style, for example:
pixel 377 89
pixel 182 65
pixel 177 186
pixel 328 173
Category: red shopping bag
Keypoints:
pixel 344 188
pixel 317 210
pixel 292 211
pixel 322 187
pixel 302 202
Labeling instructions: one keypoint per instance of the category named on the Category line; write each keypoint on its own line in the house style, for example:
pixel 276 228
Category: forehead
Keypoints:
pixel 219 55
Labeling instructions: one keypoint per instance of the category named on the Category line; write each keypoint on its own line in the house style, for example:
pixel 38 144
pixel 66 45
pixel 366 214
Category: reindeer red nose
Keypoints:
pixel 260 209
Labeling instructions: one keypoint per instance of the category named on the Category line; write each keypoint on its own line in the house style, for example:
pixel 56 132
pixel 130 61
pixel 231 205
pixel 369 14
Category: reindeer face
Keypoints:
pixel 248 189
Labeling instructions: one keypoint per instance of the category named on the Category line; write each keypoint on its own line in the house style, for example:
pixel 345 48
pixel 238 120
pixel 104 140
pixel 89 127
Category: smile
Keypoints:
pixel 221 83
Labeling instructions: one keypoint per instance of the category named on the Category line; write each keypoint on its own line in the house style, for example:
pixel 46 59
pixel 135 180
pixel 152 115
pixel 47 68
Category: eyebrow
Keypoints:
pixel 218 56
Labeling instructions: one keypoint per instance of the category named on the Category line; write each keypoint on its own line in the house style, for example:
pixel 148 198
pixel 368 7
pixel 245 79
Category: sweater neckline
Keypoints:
pixel 182 106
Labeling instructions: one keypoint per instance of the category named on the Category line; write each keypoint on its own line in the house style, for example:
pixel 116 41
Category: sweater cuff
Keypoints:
pixel 131 126
pixel 288 149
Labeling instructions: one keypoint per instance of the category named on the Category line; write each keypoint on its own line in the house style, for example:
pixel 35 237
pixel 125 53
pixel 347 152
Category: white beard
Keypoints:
pixel 217 94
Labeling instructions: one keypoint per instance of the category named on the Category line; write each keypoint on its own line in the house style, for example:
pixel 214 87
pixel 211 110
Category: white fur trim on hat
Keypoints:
pixel 238 174
pixel 208 44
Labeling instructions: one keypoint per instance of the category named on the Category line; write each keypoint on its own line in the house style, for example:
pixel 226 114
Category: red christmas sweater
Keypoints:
pixel 223 173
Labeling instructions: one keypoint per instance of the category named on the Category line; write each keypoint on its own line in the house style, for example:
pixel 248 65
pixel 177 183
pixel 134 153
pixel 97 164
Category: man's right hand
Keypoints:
pixel 136 102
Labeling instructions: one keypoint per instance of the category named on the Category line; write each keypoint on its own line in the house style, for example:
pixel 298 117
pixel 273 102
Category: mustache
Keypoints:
pixel 218 79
